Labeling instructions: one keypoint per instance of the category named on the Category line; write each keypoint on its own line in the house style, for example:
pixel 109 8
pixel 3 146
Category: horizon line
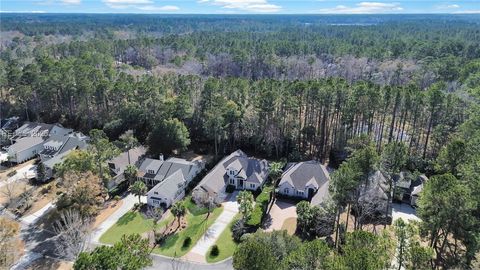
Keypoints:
pixel 233 14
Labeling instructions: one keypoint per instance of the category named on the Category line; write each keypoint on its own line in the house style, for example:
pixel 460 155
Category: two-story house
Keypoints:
pixel 238 170
pixel 169 178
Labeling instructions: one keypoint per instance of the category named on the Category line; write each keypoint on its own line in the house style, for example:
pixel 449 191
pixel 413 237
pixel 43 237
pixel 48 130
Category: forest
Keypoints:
pixel 345 90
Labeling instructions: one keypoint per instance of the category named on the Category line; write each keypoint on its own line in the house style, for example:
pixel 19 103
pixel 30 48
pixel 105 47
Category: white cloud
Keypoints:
pixel 473 11
pixel 142 5
pixel 71 2
pixel 257 6
pixel 127 2
pixel 22 11
pixel 364 8
pixel 452 6
pixel 156 8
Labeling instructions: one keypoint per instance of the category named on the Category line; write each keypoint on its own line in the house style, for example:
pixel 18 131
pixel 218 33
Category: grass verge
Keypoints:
pixel 226 244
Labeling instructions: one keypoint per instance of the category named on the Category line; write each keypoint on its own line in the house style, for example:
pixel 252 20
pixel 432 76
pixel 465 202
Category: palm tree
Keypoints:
pixel 275 172
pixel 178 210
pixel 245 201
pixel 130 173
pixel 139 189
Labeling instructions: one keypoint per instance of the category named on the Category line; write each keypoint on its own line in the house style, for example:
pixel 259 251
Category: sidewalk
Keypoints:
pixel 200 250
pixel 32 218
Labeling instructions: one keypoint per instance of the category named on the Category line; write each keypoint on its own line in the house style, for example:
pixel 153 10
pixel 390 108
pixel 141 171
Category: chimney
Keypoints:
pixel 160 157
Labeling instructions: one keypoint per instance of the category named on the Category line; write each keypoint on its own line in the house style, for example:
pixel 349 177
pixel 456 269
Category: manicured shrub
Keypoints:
pixel 215 251
pixel 187 242
pixel 261 204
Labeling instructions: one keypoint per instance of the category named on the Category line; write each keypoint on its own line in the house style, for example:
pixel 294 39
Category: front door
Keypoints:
pixel 311 192
pixel 241 183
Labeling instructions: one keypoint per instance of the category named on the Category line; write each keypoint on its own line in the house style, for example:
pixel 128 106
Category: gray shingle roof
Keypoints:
pixel 164 169
pixel 169 187
pixel 303 173
pixel 33 129
pixel 376 188
pixel 25 143
pixel 121 161
pixel 69 142
pixel 251 169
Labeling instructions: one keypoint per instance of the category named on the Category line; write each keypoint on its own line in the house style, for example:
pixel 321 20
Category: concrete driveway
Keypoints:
pixel 280 212
pixel 27 172
pixel 404 211
pixel 127 204
pixel 199 251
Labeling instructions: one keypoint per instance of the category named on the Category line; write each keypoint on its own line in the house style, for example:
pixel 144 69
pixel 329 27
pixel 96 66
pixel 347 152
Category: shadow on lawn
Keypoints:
pixel 125 219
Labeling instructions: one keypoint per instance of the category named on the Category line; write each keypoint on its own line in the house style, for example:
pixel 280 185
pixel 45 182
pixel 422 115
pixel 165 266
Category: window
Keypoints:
pixel 286 191
pixel 150 171
pixel 252 186
pixel 232 181
pixel 156 193
pixel 300 192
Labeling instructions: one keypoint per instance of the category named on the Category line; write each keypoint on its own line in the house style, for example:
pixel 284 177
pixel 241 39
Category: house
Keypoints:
pixel 405 183
pixel 7 126
pixel 307 180
pixel 416 189
pixel 118 164
pixel 57 147
pixel 236 170
pixel 27 141
pixel 169 191
pixel 155 171
pixel 24 149
pixel 374 199
pixel 34 129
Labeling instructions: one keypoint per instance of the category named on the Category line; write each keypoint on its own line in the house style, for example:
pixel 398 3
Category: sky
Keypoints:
pixel 240 6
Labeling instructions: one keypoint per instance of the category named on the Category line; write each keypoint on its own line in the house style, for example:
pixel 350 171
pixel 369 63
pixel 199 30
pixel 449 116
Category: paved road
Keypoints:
pixel 38 242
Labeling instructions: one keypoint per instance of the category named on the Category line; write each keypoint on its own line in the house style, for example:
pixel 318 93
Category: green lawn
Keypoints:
pixel 130 223
pixel 225 243
pixel 197 226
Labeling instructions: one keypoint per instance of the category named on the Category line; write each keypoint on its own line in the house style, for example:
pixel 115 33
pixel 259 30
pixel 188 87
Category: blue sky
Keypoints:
pixel 240 6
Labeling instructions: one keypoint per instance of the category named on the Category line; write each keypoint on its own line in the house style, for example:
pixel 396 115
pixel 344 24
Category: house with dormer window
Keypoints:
pixel 169 178
pixel 237 170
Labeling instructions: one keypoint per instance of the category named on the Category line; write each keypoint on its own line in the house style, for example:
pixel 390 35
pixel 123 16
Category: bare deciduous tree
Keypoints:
pixel 72 233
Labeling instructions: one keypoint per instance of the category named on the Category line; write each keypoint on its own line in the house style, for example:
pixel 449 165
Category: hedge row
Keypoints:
pixel 261 204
